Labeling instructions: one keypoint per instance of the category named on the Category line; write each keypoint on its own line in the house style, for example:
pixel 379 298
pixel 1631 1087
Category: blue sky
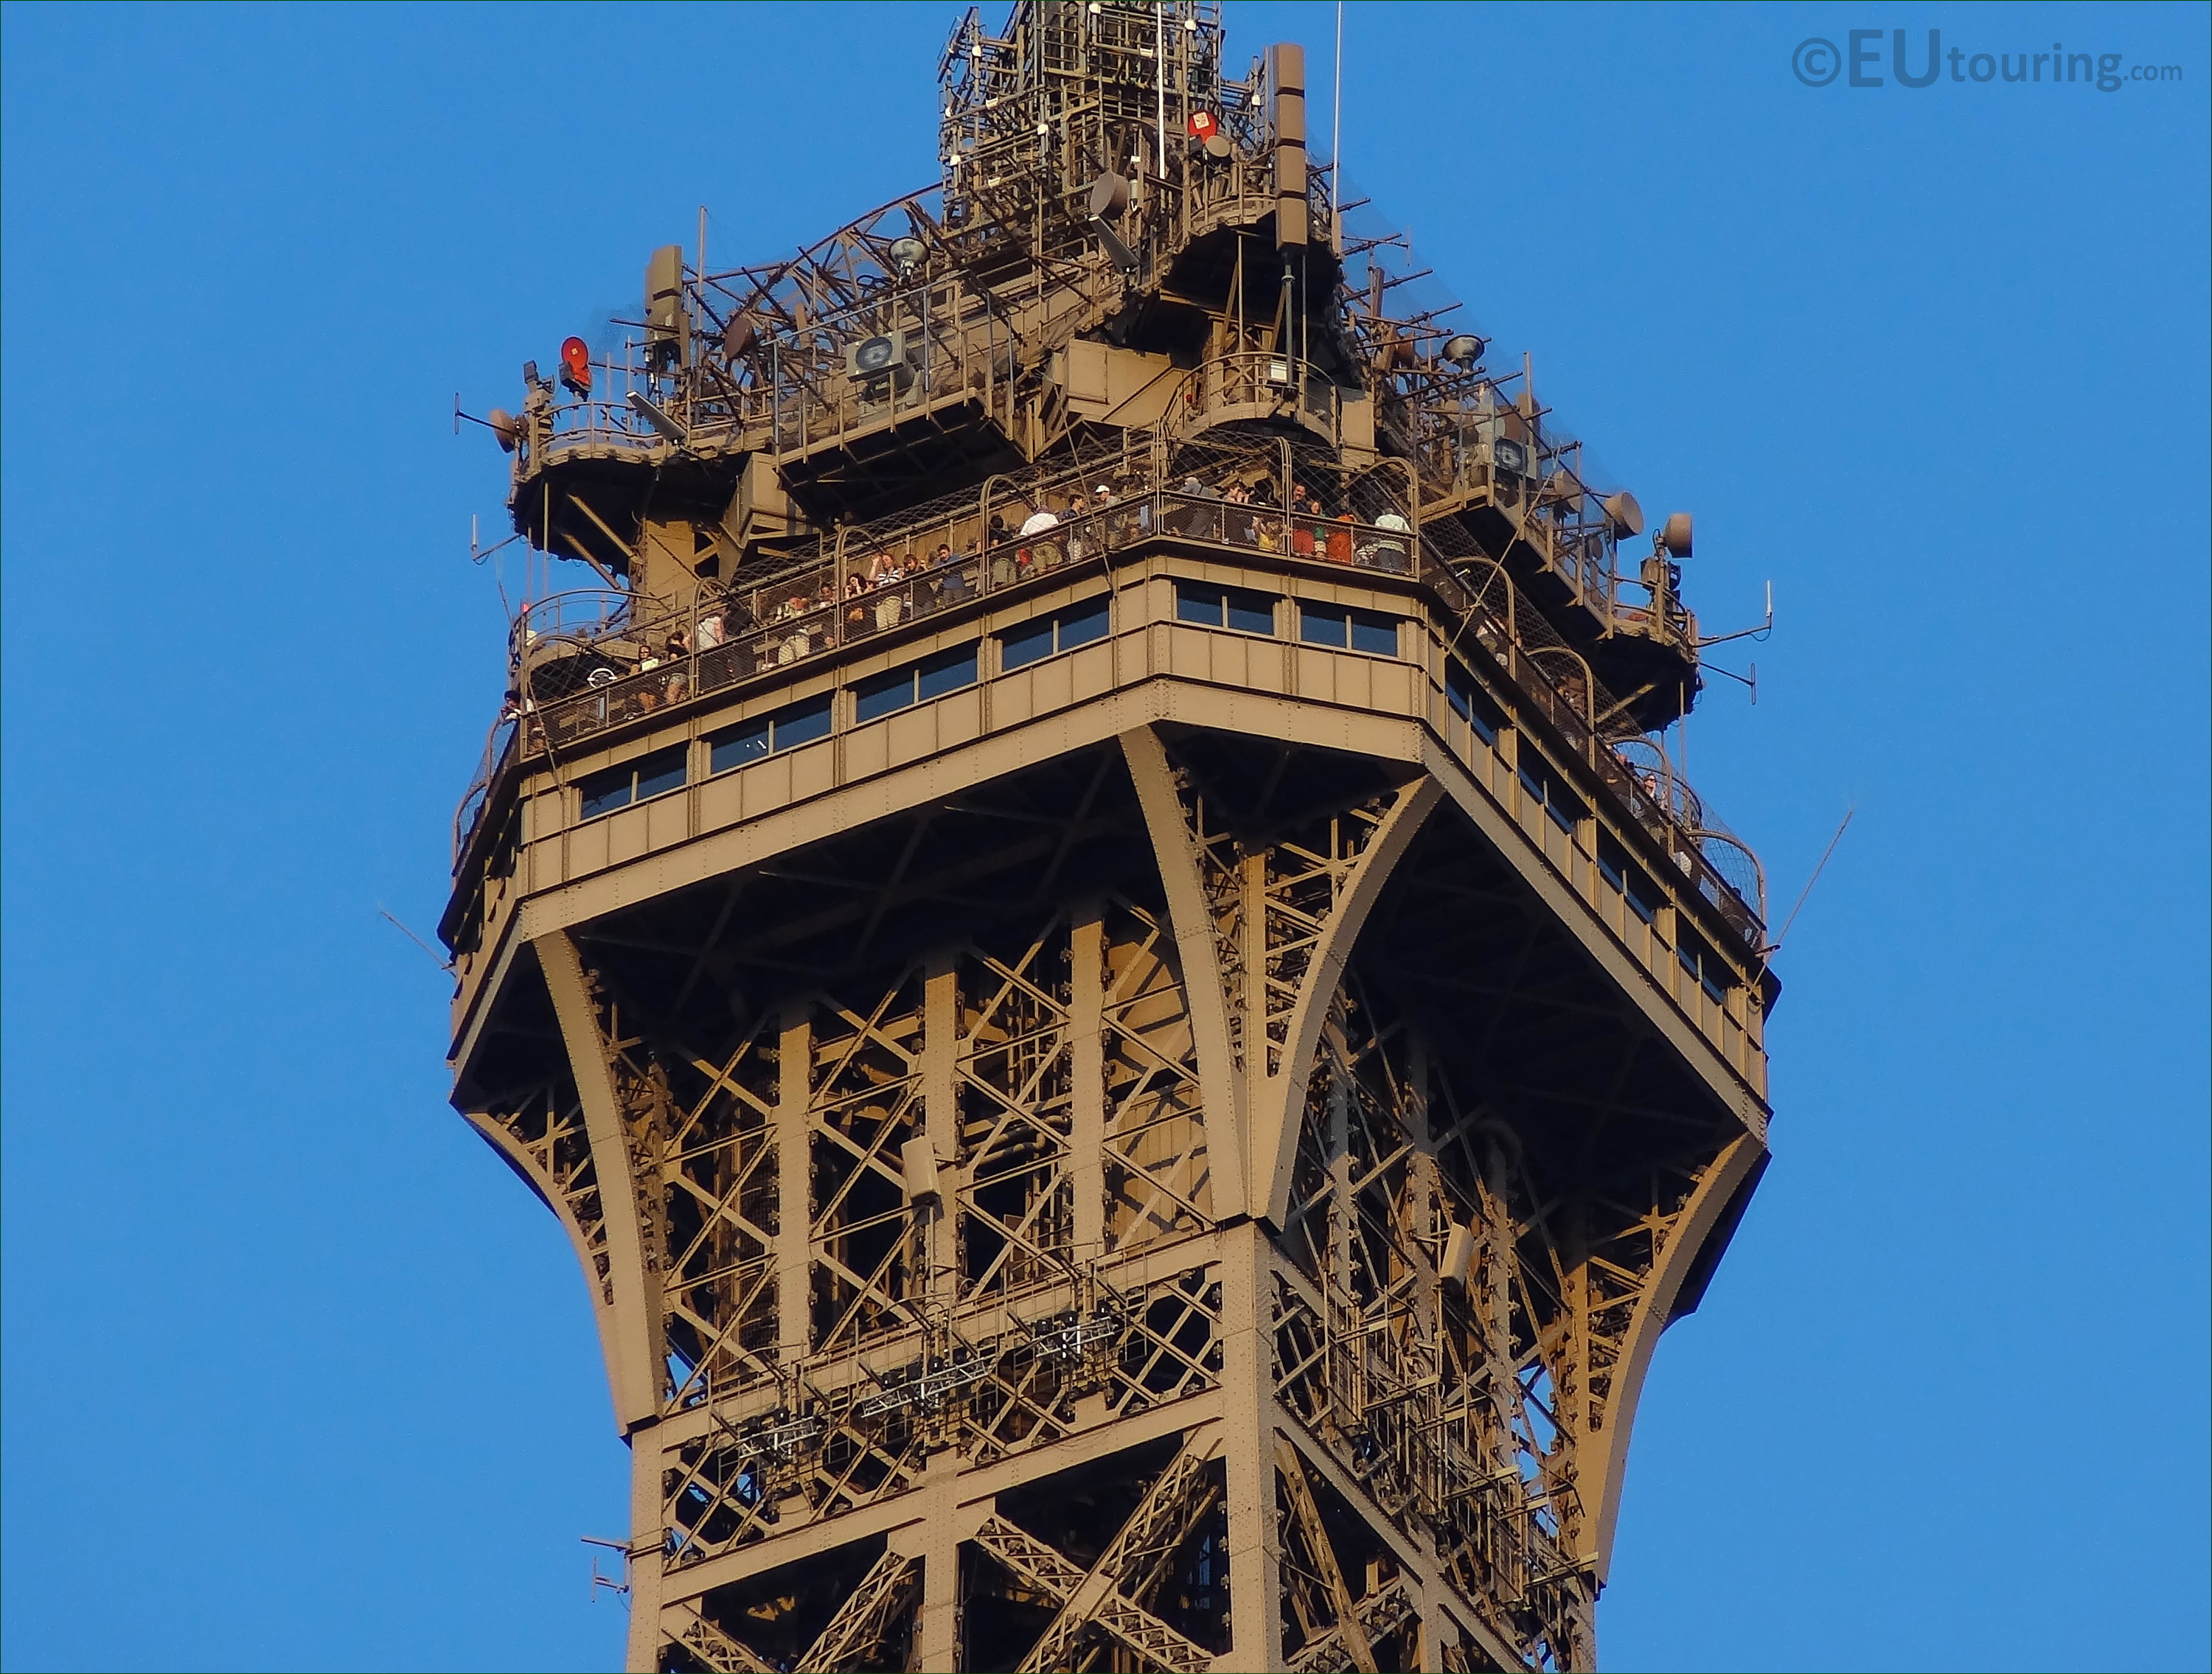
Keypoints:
pixel 296 1375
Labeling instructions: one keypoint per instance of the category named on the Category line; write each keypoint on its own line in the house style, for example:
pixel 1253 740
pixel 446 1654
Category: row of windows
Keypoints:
pixel 1628 881
pixel 648 776
pixel 884 693
pixel 879 694
pixel 1045 636
pixel 1703 963
pixel 1549 791
pixel 874 697
pixel 1471 704
pixel 1239 608
pixel 787 729
pixel 1339 626
pixel 1032 641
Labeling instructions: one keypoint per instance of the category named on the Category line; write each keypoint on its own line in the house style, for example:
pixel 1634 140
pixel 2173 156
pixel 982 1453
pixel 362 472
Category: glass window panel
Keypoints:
pixel 1373 632
pixel 663 772
pixel 1080 624
pixel 1613 863
pixel 801 723
pixel 1473 705
pixel 1543 786
pixel 947 671
pixel 1703 963
pixel 605 792
pixel 734 749
pixel 880 693
pixel 1643 896
pixel 1250 612
pixel 1026 644
pixel 1196 601
pixel 1324 625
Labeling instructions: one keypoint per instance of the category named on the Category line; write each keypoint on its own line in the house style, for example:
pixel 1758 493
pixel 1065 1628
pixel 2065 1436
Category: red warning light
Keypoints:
pixel 1203 126
pixel 576 366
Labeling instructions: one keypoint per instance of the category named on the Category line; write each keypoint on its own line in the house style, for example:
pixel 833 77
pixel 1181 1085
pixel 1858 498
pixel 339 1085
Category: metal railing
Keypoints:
pixel 583 665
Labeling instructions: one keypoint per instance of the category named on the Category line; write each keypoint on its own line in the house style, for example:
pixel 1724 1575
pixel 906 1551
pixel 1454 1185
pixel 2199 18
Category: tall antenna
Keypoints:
pixel 1336 141
pixel 1775 946
pixel 1160 65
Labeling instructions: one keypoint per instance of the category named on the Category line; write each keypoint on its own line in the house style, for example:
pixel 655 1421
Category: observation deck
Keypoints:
pixel 642 740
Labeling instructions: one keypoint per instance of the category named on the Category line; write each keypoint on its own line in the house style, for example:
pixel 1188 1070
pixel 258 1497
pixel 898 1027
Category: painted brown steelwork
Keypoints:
pixel 1105 1127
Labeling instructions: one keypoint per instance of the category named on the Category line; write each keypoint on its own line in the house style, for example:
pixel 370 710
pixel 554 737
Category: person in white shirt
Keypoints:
pixel 1391 555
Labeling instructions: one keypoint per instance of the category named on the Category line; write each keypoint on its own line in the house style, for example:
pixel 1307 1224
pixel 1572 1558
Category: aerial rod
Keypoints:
pixel 1761 631
pixel 386 914
pixel 1775 946
pixel 1336 142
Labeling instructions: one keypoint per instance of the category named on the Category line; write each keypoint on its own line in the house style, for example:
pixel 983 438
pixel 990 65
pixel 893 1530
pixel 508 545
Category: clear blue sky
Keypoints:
pixel 296 1375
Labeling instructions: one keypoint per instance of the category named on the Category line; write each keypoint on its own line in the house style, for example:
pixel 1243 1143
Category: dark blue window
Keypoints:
pixel 1238 608
pixel 734 749
pixel 1471 704
pixel 1196 601
pixel 947 671
pixel 1324 625
pixel 648 776
pixel 1544 784
pixel 1082 623
pixel 1028 643
pixel 1348 629
pixel 933 676
pixel 880 693
pixel 1078 625
pixel 1251 613
pixel 1377 635
pixel 1633 883
pixel 801 723
pixel 605 792
pixel 1703 963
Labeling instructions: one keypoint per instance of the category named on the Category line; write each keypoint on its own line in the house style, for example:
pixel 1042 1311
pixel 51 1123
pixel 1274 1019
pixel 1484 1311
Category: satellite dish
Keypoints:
pixel 1675 535
pixel 1627 516
pixel 907 254
pixel 576 367
pixel 1109 195
pixel 737 335
pixel 1464 350
pixel 874 355
pixel 1219 148
pixel 505 426
pixel 1561 487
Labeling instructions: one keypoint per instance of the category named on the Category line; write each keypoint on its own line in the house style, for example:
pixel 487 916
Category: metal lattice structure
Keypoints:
pixel 1089 928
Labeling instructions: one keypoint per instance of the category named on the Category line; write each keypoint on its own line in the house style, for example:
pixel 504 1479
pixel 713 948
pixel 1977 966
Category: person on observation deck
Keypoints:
pixel 1390 554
